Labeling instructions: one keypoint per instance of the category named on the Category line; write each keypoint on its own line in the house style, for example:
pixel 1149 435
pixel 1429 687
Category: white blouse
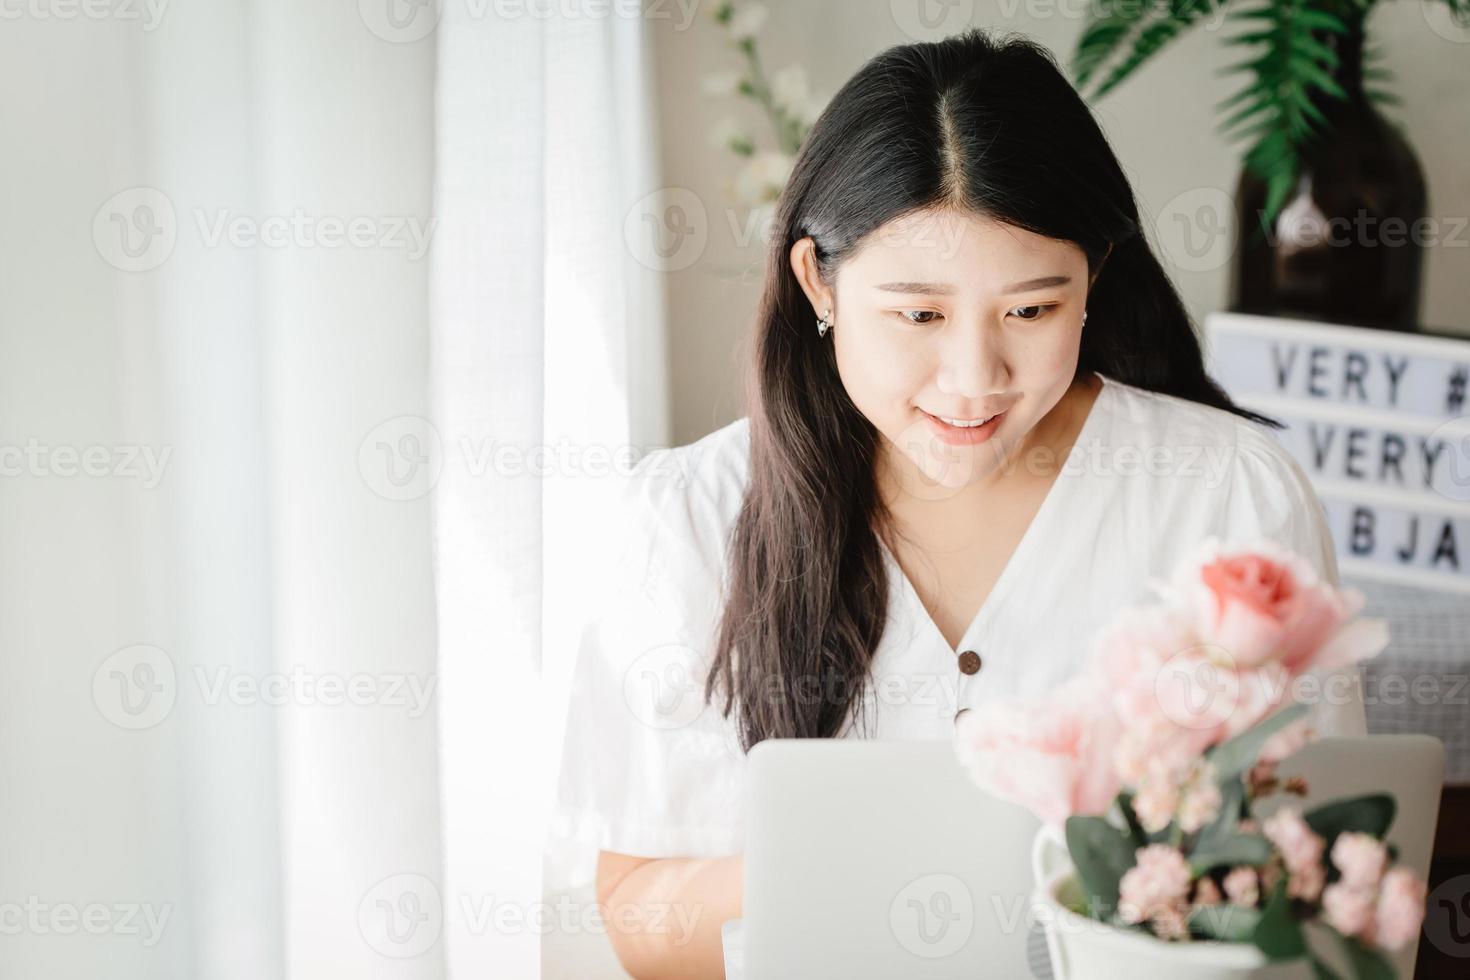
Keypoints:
pixel 650 770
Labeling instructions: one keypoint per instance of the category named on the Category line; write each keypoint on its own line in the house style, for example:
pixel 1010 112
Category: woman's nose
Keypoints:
pixel 972 361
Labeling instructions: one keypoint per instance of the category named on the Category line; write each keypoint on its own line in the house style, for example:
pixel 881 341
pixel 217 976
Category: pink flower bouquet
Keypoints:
pixel 1153 758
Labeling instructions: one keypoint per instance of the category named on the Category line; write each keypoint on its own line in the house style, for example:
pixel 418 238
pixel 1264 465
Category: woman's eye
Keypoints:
pixel 905 315
pixel 1040 311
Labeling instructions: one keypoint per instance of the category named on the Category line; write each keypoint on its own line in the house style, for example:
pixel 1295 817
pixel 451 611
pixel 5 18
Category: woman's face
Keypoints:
pixel 941 319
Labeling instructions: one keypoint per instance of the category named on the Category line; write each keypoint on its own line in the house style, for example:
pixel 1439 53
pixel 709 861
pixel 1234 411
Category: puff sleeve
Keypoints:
pixel 1270 496
pixel 648 768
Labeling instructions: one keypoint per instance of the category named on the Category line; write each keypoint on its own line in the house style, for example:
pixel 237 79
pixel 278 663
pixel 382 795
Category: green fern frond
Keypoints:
pixel 1275 108
pixel 1110 24
pixel 1173 18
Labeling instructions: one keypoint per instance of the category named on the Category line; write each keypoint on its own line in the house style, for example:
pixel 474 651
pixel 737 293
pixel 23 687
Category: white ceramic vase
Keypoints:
pixel 1085 949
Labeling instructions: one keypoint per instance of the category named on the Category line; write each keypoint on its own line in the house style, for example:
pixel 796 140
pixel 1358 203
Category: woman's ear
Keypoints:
pixel 804 267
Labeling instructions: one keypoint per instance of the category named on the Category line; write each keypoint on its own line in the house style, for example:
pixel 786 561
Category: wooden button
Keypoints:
pixel 969 662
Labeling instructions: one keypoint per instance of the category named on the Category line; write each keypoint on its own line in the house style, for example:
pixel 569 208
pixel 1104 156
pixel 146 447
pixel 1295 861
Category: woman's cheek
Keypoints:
pixel 879 367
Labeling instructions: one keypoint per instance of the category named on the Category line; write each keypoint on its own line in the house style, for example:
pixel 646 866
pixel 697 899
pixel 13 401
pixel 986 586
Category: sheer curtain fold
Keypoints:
pixel 360 292
pixel 548 370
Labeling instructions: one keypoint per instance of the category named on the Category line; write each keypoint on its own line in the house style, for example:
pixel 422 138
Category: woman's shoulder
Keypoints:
pixel 1196 435
pixel 675 507
pixel 1228 471
pixel 693 483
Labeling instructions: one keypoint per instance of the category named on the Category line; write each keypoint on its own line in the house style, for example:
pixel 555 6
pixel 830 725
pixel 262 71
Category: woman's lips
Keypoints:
pixel 962 435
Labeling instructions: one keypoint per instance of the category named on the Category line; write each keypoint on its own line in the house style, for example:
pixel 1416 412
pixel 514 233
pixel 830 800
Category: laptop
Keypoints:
pixel 873 859
pixel 881 859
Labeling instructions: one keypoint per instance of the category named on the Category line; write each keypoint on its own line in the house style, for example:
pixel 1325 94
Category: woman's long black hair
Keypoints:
pixel 986 126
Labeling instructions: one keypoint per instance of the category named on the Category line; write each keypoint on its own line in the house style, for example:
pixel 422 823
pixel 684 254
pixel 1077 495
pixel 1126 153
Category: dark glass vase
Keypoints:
pixel 1348 245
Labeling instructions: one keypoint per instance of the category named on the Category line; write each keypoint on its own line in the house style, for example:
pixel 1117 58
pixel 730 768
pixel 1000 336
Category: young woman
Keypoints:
pixel 978 424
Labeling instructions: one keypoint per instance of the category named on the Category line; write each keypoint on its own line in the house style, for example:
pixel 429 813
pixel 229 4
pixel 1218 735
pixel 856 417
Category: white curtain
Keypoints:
pixel 278 655
pixel 548 375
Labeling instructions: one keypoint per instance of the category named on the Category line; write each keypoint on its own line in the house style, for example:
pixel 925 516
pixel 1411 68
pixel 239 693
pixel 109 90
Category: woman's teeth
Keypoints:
pixel 964 424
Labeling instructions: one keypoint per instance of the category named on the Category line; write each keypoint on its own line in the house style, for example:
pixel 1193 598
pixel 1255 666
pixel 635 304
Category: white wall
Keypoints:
pixel 1161 124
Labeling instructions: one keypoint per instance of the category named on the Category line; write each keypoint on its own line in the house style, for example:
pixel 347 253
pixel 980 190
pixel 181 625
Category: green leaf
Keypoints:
pixel 1312 17
pixel 1235 849
pixel 1222 828
pixel 1149 35
pixel 1233 757
pixel 1225 922
pixel 1371 814
pixel 1367 964
pixel 1320 970
pixel 1136 833
pixel 1101 854
pixel 1278 934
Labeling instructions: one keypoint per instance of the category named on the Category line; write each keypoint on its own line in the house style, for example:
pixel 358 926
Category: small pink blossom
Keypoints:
pixel 1347 908
pixel 1158 883
pixel 1306 883
pixel 1242 887
pixel 1053 756
pixel 1299 845
pixel 1206 892
pixel 1201 800
pixel 1301 850
pixel 1361 858
pixel 1287 742
pixel 1400 910
pixel 1171 923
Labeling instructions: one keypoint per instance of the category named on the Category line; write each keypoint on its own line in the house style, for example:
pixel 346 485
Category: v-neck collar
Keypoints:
pixel 1008 572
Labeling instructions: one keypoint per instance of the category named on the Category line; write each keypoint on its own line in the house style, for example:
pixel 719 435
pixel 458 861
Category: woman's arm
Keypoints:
pixel 663 915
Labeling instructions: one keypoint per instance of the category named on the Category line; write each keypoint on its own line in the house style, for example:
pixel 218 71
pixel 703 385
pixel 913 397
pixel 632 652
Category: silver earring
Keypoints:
pixel 1084 316
pixel 824 324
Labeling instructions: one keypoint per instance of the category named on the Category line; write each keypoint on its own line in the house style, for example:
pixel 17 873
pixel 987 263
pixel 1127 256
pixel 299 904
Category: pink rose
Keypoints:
pixel 1267 605
pixel 1053 756
pixel 1400 910
pixel 1164 686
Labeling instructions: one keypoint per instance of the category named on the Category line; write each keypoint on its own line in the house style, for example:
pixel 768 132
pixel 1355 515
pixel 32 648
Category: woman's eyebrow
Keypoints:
pixel 945 289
